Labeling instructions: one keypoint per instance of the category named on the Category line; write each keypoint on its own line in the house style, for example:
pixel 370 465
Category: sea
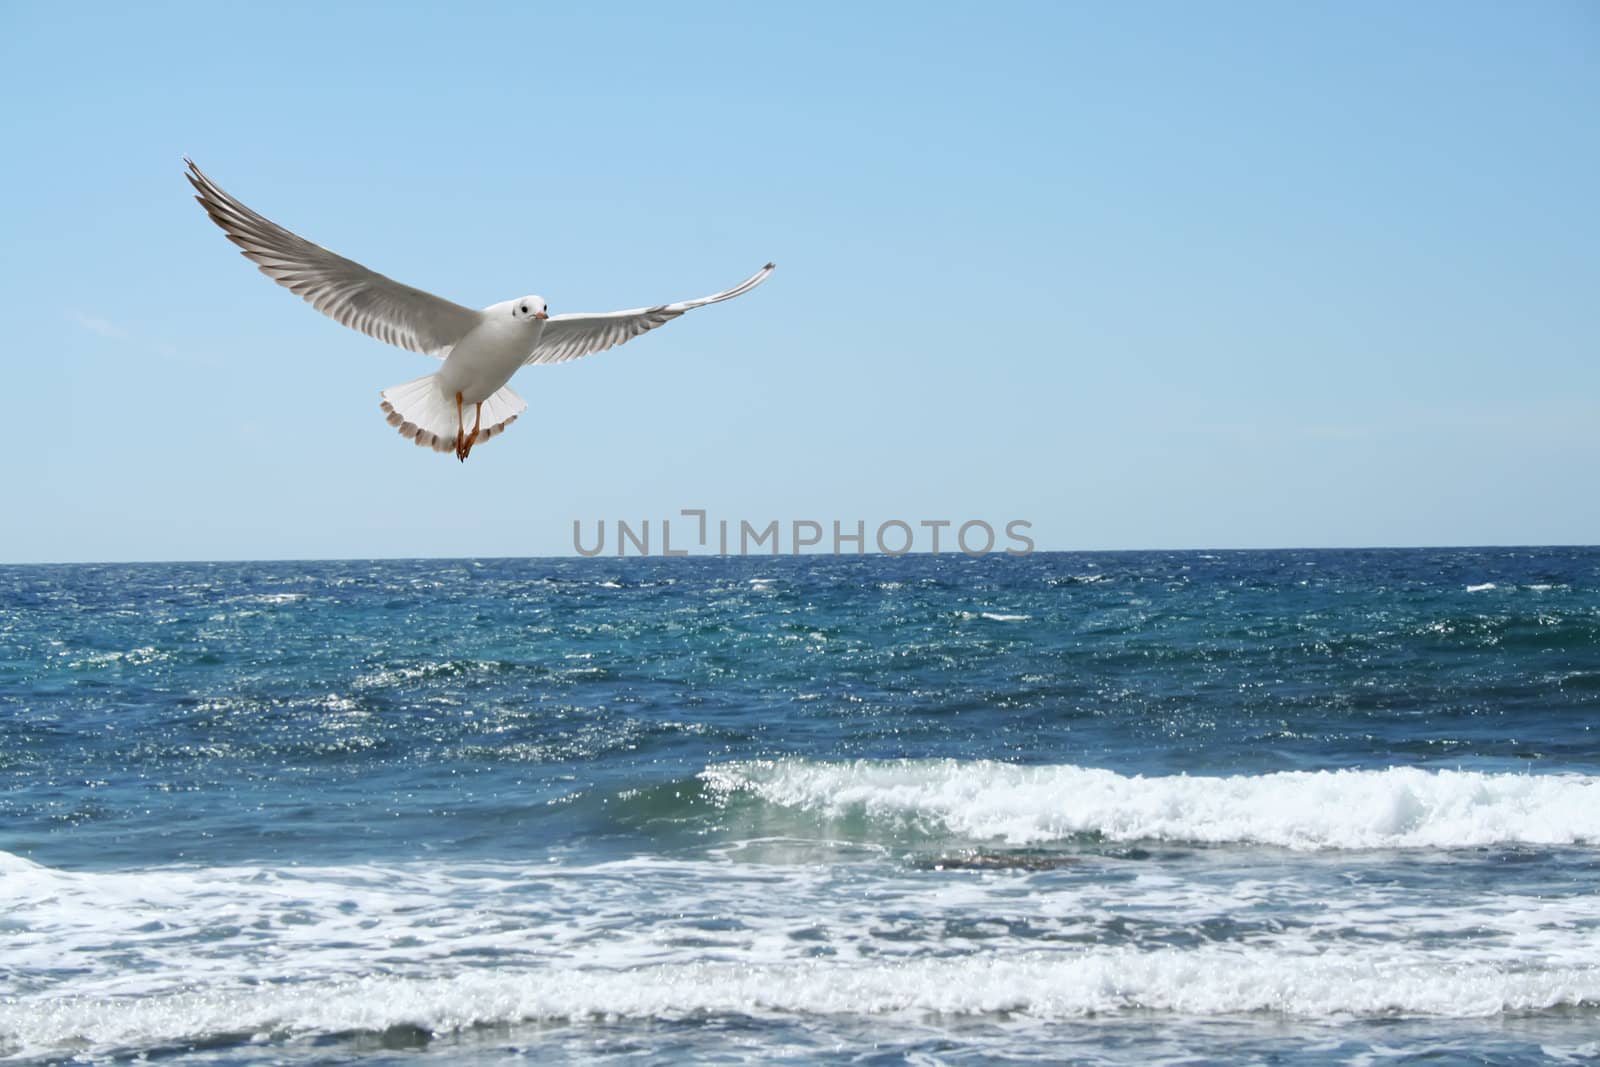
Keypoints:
pixel 1322 807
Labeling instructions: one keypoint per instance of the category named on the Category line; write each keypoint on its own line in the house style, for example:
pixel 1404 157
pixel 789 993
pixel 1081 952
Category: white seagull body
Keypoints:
pixel 481 349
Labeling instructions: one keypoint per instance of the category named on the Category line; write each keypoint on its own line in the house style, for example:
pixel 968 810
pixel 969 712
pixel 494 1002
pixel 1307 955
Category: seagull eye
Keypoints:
pixel 524 309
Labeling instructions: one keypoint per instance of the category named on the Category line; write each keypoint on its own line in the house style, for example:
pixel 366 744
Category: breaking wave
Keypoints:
pixel 1395 808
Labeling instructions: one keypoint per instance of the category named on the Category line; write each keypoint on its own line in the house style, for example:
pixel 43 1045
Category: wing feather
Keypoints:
pixel 574 336
pixel 340 288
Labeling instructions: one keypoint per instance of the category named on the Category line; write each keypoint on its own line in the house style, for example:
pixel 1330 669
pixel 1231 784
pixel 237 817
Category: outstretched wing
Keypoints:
pixel 572 336
pixel 340 288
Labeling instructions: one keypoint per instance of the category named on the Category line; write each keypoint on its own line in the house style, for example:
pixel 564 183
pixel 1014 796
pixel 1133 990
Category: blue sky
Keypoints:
pixel 1145 275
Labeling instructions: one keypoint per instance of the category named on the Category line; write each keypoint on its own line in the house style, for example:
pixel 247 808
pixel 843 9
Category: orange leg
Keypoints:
pixel 477 420
pixel 461 436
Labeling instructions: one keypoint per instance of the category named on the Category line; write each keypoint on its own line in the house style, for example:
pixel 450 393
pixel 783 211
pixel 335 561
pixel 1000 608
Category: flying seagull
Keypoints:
pixel 481 350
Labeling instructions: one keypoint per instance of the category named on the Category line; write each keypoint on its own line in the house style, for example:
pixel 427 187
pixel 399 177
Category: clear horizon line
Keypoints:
pixel 613 558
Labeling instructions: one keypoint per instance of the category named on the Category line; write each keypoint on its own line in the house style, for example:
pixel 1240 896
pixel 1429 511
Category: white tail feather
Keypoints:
pixel 423 414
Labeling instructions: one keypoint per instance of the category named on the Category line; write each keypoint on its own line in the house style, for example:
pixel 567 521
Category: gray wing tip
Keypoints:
pixel 203 185
pixel 769 266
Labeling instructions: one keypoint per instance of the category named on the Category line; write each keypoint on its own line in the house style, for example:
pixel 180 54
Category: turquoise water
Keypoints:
pixel 1126 808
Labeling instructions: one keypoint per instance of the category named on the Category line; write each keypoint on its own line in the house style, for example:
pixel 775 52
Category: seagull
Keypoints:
pixel 481 350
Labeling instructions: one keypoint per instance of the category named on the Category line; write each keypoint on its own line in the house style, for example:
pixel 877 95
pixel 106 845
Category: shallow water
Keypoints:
pixel 1125 808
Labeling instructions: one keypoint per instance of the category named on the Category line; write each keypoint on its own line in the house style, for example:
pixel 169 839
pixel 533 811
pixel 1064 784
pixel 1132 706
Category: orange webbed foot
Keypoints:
pixel 472 439
pixel 461 436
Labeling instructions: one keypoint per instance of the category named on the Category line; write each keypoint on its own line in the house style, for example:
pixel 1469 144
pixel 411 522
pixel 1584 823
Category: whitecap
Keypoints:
pixel 1399 807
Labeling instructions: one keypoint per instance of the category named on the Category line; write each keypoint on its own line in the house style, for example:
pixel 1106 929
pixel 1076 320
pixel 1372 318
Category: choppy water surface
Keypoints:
pixel 1127 808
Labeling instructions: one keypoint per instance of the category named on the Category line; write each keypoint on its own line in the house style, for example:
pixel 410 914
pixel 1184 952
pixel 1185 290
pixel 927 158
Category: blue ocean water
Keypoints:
pixel 1301 806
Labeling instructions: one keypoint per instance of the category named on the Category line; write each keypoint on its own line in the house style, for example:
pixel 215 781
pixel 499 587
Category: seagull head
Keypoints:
pixel 530 309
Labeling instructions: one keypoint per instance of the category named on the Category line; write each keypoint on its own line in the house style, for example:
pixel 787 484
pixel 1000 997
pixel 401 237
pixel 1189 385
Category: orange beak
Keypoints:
pixel 541 315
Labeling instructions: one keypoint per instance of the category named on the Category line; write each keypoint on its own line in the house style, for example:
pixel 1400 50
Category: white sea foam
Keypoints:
pixel 1485 587
pixel 992 616
pixel 274 598
pixel 1401 807
pixel 1038 985
pixel 150 958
